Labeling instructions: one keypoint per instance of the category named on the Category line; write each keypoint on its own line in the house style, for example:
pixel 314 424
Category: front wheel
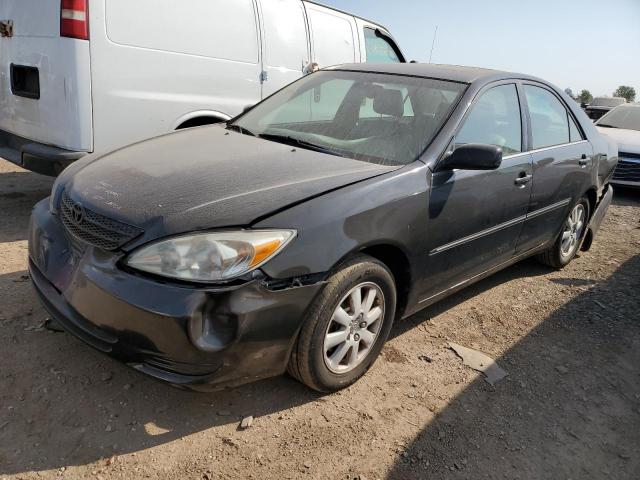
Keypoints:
pixel 346 326
pixel 570 238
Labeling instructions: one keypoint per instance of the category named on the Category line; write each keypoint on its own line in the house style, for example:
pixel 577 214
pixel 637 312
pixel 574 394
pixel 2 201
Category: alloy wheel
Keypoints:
pixel 354 327
pixel 573 228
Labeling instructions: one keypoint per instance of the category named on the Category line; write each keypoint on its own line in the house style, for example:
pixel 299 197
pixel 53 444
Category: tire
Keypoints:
pixel 320 368
pixel 559 255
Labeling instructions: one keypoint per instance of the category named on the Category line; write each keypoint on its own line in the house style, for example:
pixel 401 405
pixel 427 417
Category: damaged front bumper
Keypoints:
pixel 190 336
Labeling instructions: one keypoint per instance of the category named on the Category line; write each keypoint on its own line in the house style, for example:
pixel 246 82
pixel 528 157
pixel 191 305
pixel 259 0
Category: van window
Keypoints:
pixel 378 48
pixel 285 34
pixel 549 119
pixel 495 120
pixel 333 42
pixel 197 27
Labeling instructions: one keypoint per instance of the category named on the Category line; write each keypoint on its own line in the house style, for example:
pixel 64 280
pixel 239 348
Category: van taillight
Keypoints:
pixel 74 19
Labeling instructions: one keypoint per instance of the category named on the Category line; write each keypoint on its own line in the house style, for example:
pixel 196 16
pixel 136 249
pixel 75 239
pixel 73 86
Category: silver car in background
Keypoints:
pixel 622 124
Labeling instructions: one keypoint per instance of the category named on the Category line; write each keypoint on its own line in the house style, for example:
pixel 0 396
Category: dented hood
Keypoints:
pixel 207 178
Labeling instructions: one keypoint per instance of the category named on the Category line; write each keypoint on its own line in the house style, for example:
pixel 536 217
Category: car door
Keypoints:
pixel 285 43
pixel 475 216
pixel 561 164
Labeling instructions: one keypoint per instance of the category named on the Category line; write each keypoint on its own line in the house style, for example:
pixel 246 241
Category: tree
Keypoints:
pixel 628 93
pixel 569 92
pixel 585 96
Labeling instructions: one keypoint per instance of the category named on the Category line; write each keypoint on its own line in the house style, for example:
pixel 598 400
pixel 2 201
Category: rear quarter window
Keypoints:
pixel 197 27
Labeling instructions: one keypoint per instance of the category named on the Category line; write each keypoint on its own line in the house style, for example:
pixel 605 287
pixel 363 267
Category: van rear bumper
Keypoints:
pixel 35 156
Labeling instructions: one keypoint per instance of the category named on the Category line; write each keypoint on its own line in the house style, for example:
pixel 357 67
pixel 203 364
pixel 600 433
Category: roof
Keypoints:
pixel 456 73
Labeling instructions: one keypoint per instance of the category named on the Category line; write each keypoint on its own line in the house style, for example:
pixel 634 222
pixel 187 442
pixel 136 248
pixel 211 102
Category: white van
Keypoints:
pixel 79 76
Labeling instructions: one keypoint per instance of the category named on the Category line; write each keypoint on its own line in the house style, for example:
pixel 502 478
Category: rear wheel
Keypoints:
pixel 346 326
pixel 572 234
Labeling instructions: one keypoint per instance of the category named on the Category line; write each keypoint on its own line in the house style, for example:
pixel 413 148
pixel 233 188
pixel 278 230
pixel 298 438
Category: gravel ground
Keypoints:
pixel 569 408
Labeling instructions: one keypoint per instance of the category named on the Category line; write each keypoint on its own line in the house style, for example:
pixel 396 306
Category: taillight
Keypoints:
pixel 74 19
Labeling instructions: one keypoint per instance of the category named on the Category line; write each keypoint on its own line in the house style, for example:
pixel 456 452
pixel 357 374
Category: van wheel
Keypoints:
pixel 346 326
pixel 566 245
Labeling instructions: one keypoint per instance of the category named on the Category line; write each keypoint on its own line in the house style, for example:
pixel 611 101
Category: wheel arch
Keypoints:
pixel 199 118
pixel 397 261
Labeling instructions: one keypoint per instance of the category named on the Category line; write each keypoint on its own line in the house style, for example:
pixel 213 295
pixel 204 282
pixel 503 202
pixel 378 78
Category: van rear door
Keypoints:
pixel 45 83
pixel 334 36
pixel 285 43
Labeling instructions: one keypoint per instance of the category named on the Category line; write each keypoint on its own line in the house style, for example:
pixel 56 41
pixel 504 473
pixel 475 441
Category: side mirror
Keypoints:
pixel 473 156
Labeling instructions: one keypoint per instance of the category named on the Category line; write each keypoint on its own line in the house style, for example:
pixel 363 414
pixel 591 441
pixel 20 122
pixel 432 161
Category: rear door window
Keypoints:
pixel 574 131
pixel 549 118
pixel 495 119
pixel 378 49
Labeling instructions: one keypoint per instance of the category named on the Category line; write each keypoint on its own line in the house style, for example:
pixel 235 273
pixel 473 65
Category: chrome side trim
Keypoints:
pixel 478 276
pixel 479 234
pixel 548 208
pixel 501 226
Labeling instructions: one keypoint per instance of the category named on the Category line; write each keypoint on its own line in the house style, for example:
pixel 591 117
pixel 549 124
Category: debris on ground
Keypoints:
pixel 53 326
pixel 480 362
pixel 246 422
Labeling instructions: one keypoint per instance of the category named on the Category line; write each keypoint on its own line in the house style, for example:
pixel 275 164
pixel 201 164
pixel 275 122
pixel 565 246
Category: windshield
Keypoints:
pixel 379 118
pixel 622 117
pixel 607 102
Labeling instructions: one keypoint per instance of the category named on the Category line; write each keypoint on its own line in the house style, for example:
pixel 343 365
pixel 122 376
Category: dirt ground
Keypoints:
pixel 569 408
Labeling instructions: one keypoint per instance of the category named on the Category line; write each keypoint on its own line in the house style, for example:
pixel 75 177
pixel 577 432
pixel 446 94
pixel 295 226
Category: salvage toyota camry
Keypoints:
pixel 291 237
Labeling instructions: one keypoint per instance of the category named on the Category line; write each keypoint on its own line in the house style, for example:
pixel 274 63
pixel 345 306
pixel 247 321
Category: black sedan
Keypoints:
pixel 293 236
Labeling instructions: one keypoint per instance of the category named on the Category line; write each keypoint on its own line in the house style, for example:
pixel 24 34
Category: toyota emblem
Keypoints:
pixel 77 214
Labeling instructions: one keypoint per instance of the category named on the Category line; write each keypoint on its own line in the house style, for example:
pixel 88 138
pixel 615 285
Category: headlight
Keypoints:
pixel 211 257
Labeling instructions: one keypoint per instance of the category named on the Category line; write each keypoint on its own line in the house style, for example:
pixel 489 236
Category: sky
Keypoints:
pixel 579 44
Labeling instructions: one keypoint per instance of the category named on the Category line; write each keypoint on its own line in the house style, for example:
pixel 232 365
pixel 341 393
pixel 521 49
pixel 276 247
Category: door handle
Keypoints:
pixel 522 180
pixel 583 160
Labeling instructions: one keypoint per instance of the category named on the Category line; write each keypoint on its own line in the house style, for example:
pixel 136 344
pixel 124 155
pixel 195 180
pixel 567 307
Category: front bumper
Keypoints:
pixel 185 335
pixel 34 156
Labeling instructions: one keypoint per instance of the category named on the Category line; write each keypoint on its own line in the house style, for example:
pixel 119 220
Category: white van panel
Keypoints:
pixel 141 92
pixel 286 43
pixel 223 29
pixel 32 18
pixel 334 36
pixel 62 115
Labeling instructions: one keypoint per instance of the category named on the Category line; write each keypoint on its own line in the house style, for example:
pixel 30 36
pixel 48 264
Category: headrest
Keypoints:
pixel 388 102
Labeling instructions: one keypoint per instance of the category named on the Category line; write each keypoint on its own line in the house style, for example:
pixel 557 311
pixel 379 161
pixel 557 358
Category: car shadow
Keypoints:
pixel 65 404
pixel 77 412
pixel 526 268
pixel 626 196
pixel 568 409
pixel 19 192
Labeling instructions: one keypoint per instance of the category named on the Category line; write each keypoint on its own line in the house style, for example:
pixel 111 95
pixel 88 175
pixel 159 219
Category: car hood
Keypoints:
pixel 206 178
pixel 628 140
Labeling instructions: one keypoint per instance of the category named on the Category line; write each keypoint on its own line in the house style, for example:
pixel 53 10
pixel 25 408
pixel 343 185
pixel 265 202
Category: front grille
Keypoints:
pixel 627 170
pixel 93 228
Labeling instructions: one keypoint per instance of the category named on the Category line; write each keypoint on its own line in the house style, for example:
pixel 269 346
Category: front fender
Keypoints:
pixel 388 209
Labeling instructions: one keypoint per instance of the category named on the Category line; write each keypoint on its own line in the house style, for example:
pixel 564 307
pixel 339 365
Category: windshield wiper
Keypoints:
pixel 605 125
pixel 296 142
pixel 238 128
